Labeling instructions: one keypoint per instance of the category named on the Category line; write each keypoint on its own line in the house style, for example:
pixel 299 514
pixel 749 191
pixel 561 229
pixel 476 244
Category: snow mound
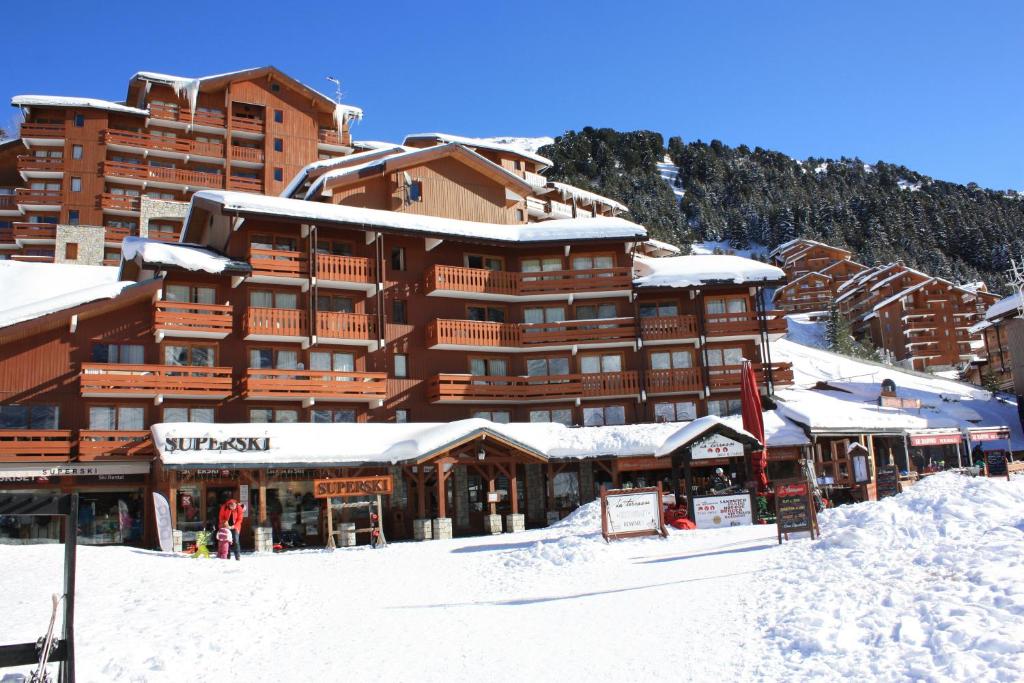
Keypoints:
pixel 585 519
pixel 921 586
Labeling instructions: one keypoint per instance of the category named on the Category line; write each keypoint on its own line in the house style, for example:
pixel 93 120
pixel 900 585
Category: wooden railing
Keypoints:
pixel 669 327
pixel 94 445
pixel 119 379
pixel 277 262
pixel 19 444
pixel 34 231
pixel 726 376
pixel 483 281
pixel 282 322
pixel 215 119
pixel 180 176
pixel 243 184
pixel 248 123
pixel 726 324
pixel 345 268
pixel 42 130
pixel 252 154
pixel 331 137
pixel 163 235
pixel 464 387
pixel 117 233
pixel 120 202
pixel 7 202
pixel 28 195
pixel 344 325
pixel 177 317
pixel 526 335
pixel 163 142
pixel 322 384
pixel 7 236
pixel 27 162
pixel 674 380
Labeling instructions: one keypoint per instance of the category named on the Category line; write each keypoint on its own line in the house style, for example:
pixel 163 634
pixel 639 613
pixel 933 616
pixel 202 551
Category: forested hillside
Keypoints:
pixel 881 211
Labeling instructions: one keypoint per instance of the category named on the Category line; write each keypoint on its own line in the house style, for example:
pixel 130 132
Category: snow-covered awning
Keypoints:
pixel 75 102
pixel 700 427
pixel 185 256
pixel 703 269
pixel 585 197
pixel 1008 305
pixel 31 290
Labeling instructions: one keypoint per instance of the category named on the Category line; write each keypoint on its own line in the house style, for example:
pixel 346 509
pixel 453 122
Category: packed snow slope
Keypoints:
pixel 923 586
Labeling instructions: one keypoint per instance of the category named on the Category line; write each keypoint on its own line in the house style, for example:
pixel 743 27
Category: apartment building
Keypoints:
pixel 84 173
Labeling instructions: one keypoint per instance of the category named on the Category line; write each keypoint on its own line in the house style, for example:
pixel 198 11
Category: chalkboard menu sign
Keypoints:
pixel 888 482
pixel 995 463
pixel 794 509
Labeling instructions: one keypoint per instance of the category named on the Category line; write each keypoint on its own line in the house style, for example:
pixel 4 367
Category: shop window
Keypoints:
pixel 484 313
pixel 499 416
pixel 268 415
pixel 399 312
pixel 76 151
pixel 484 262
pixel 547 367
pixel 29 416
pixel 344 415
pixel 604 415
pixel 682 411
pixel 117 418
pixel 567 490
pixel 397 258
pixel 558 415
pixel 189 354
pixel 597 363
pixel 334 303
pixel 71 251
pixel 725 407
pixel 193 294
pixel 661 309
pixel 401 365
pixel 117 353
pixel 401 415
pixel 107 517
pixel 181 414
pixel 671 360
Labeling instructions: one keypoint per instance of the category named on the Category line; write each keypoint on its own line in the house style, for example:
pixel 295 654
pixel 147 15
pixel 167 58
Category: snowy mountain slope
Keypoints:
pixel 800 329
pixel 530 145
pixel 669 172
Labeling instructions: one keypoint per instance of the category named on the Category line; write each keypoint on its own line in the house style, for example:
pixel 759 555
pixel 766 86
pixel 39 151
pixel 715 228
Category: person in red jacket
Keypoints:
pixel 231 517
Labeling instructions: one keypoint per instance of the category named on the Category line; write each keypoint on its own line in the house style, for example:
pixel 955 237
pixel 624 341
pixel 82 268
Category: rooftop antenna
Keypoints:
pixel 1017 275
pixel 337 88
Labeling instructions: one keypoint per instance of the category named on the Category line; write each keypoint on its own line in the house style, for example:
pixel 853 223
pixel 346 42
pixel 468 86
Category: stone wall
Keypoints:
pixel 158 208
pixel 89 239
pixel 536 496
pixel 586 481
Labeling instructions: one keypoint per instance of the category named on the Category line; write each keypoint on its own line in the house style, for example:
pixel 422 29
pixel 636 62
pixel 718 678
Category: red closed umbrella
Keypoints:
pixel 753 422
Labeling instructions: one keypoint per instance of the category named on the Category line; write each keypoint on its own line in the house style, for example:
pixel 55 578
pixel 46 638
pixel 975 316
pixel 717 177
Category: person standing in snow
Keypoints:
pixel 223 542
pixel 231 517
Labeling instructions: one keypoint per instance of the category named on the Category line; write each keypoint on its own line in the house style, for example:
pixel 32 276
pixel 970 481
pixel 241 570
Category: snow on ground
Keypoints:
pixel 802 330
pixel 918 587
pixel 669 172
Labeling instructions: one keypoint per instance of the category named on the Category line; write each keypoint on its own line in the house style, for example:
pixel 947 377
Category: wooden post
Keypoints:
pixel 492 487
pixel 513 488
pixel 688 471
pixel 262 479
pixel 421 492
pixel 441 502
pixel 550 486
pixel 330 523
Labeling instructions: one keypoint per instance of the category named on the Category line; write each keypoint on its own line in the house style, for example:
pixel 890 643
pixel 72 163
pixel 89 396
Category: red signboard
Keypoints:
pixel 989 435
pixel 935 439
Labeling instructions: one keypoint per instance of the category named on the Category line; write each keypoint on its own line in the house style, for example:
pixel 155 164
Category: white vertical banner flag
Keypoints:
pixel 162 510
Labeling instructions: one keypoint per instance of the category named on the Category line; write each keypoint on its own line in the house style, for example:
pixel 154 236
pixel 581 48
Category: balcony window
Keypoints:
pixel 273 359
pixel 192 294
pixel 726 407
pixel 117 418
pixel 558 415
pixel 130 354
pixel 401 415
pixel 189 354
pixel 719 357
pixel 596 311
pixel 343 415
pixel 671 360
pixel 546 367
pixel 260 298
pixel 540 265
pixel 76 184
pixel 401 365
pixel 268 415
pixel 493 367
pixel 598 416
pixel 29 416
pixel 159 163
pixel 399 312
pixel 592 262
pixel 484 262
pixel 336 362
pixel 124 192
pixel 76 151
pixel 723 306
pixel 682 411
pixel 157 194
pixel 397 258
pixel 661 309
pixel 334 247
pixel 492 314
pixel 499 416
pixel 176 414
pixel 550 314
pixel 43 185
pixel 334 304
pixel 604 362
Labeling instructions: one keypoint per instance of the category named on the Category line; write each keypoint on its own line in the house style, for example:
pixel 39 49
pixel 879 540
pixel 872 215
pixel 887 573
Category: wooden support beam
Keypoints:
pixel 491 488
pixel 513 490
pixel 421 492
pixel 441 502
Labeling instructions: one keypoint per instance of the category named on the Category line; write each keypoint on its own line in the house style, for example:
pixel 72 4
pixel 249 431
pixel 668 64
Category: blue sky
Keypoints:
pixel 932 85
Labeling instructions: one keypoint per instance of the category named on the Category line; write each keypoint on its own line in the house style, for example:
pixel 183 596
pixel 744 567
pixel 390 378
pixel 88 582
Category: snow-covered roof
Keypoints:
pixel 1000 308
pixel 802 278
pixel 531 145
pixel 482 143
pixel 658 245
pixel 570 192
pixel 307 170
pixel 80 102
pixel 701 269
pixel 186 256
pixel 694 430
pixel 31 290
pixel 899 295
pixel 805 242
pixel 391 443
pixel 906 271
pixel 569 229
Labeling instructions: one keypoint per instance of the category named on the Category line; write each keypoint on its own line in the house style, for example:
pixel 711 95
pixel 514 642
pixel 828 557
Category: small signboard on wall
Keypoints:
pixel 631 512
pixel 716 446
pixel 715 512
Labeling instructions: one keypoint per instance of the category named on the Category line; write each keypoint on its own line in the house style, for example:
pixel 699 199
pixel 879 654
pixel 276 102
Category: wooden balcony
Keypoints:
pixel 480 283
pixel 34 233
pixel 243 184
pixel 96 445
pixel 53 131
pixel 669 328
pixel 345 272
pixel 729 377
pixel 40 166
pixel 353 329
pixel 164 235
pixel 333 138
pixel 27 196
pixel 275 324
pixel 471 334
pixel 7 240
pixel 119 202
pixel 454 388
pixel 209 119
pixel 250 155
pixel 249 124
pixel 744 324
pixel 278 266
pixel 163 143
pixel 150 381
pixel 158 174
pixel 674 381
pixel 18 445
pixel 116 235
pixel 313 385
pixel 189 320
pixel 8 203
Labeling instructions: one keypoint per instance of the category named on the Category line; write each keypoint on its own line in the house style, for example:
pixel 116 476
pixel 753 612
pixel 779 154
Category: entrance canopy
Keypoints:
pixel 702 430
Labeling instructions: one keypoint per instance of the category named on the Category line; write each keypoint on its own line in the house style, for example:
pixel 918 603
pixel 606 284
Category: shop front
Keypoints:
pixel 113 502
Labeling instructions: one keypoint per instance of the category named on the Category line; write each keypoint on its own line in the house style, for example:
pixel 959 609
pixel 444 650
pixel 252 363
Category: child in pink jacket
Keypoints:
pixel 223 542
